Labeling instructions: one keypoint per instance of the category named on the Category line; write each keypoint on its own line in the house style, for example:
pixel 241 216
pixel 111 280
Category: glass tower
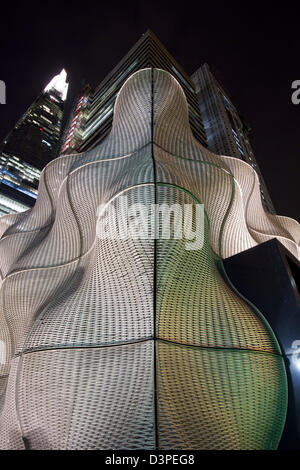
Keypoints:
pixel 226 130
pixel 33 142
pixel 92 116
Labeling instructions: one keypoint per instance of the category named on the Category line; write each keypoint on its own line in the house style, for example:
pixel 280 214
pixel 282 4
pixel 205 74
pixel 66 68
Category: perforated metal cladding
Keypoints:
pixel 10 435
pixel 97 182
pixel 3 383
pixel 122 270
pixel 262 225
pixel 132 128
pixel 216 186
pixel 218 398
pixel 27 294
pixel 87 391
pixel 85 319
pixel 194 304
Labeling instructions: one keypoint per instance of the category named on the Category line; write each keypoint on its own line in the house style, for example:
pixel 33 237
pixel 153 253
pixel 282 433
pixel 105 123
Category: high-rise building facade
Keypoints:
pixel 226 130
pixel 96 105
pixel 72 137
pixel 122 341
pixel 33 142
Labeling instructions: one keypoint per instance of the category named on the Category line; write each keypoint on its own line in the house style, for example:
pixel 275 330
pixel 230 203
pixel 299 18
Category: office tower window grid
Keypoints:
pixel 227 131
pixel 33 142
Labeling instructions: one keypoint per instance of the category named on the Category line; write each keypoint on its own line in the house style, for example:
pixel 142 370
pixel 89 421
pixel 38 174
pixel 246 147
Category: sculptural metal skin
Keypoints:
pixel 138 344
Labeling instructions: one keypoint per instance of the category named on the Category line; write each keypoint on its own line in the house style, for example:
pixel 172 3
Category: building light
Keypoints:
pixel 47 143
pixel 12 204
pixel 58 84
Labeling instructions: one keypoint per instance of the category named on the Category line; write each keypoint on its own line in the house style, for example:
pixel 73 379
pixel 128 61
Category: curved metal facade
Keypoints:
pixel 138 343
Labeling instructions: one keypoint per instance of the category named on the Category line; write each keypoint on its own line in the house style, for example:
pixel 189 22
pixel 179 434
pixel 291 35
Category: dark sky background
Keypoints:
pixel 254 52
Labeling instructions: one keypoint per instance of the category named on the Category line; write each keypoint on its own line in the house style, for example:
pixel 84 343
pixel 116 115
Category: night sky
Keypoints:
pixel 253 51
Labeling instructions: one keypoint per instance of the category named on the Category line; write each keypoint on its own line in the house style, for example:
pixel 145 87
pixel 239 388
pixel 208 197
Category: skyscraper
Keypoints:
pixel 72 136
pixel 33 142
pixel 226 130
pixel 98 103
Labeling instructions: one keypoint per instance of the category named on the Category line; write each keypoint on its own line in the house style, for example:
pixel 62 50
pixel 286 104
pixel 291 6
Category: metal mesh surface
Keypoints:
pixel 138 343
